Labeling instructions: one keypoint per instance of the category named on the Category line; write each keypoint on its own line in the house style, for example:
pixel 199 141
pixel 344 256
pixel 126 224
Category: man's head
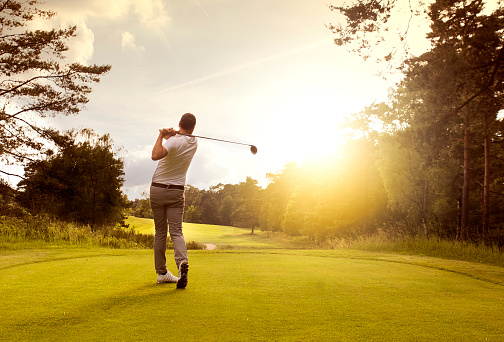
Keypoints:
pixel 187 122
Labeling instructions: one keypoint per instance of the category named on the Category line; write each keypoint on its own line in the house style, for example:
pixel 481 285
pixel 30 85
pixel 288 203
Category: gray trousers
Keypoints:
pixel 168 209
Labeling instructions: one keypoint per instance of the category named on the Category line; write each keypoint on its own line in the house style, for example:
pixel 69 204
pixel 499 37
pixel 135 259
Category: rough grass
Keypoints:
pixel 39 231
pixel 428 247
pixel 99 294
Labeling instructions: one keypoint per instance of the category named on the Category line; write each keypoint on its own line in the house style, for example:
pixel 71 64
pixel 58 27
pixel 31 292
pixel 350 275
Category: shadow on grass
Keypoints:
pixel 148 295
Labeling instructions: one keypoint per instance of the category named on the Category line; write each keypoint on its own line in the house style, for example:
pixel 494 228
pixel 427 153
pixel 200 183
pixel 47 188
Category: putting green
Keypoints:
pixel 109 295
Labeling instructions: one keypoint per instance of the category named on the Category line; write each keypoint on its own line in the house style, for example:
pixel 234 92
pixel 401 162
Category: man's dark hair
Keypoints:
pixel 188 121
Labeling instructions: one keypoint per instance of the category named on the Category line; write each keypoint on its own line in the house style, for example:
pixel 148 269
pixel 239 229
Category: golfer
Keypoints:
pixel 167 196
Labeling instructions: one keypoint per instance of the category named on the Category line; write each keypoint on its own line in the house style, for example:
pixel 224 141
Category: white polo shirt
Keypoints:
pixel 172 169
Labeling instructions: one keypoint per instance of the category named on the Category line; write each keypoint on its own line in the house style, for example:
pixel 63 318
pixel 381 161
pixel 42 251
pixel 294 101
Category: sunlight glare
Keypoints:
pixel 310 127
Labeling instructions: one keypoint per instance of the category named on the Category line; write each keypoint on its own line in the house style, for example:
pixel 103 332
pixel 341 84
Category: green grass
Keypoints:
pixel 99 294
pixel 141 225
pixel 221 236
pixel 258 291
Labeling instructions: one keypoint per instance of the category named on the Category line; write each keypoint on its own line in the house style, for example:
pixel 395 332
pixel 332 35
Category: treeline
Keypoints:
pixel 427 161
pixel 224 204
pixel 374 186
pixel 341 197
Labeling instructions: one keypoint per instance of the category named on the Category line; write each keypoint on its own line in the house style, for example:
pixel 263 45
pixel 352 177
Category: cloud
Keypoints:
pixel 128 41
pixel 139 169
pixel 152 13
pixel 82 46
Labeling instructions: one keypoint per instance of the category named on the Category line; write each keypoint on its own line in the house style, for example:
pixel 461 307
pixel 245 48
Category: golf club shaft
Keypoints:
pixel 197 136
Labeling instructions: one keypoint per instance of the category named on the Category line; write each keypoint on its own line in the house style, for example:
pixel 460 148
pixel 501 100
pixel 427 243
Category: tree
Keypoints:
pixel 192 197
pixel 226 210
pixel 141 207
pixel 248 204
pixel 80 183
pixel 36 81
pixel 277 195
pixel 457 86
pixel 209 207
pixel 293 218
pixel 7 196
pixel 192 215
pixel 348 197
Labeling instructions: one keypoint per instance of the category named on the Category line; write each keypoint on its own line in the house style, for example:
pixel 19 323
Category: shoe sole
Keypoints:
pixel 184 269
pixel 165 282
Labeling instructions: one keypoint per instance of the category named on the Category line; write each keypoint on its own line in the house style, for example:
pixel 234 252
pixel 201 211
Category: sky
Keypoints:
pixel 262 72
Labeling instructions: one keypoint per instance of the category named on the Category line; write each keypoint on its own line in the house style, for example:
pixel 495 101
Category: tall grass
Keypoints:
pixel 446 249
pixel 41 231
pixel 19 233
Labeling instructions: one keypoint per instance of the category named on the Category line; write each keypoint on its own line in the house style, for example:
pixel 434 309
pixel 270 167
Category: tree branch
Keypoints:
pixel 14 116
pixel 4 5
pixel 19 156
pixel 29 124
pixel 489 84
pixel 11 174
pixel 35 78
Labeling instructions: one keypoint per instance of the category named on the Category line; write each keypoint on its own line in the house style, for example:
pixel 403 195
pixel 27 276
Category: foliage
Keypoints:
pixel 230 204
pixel 7 197
pixel 194 245
pixel 81 183
pixel 343 196
pixel 339 197
pixel 192 214
pixel 437 157
pixel 36 80
pixel 141 207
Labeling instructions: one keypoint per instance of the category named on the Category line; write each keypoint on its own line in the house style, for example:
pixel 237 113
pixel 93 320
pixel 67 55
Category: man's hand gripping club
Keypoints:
pixel 168 132
pixel 158 151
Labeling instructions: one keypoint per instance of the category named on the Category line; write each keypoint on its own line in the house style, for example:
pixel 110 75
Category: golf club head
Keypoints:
pixel 253 149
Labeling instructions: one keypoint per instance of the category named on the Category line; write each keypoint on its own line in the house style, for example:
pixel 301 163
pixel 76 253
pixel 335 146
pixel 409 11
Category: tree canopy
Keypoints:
pixel 36 80
pixel 82 182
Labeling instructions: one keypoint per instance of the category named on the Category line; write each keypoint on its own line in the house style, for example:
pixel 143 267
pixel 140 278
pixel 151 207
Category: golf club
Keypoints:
pixel 253 149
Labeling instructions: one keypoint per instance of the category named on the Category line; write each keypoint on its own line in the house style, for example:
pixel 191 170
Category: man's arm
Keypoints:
pixel 158 151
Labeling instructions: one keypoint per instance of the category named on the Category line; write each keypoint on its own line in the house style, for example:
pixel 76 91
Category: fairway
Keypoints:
pixel 213 234
pixel 258 295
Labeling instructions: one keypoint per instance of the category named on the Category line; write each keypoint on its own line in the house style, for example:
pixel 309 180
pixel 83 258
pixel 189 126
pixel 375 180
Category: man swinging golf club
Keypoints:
pixel 167 196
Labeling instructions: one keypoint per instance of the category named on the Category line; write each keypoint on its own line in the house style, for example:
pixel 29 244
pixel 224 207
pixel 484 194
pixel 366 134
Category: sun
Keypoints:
pixel 311 128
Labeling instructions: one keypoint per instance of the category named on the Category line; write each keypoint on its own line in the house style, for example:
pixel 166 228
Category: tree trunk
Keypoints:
pixel 486 192
pixel 424 211
pixel 464 224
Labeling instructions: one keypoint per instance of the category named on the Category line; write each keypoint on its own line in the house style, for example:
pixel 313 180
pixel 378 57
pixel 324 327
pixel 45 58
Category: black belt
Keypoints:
pixel 167 186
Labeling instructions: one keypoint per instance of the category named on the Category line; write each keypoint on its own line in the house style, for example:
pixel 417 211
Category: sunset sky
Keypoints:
pixel 262 72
